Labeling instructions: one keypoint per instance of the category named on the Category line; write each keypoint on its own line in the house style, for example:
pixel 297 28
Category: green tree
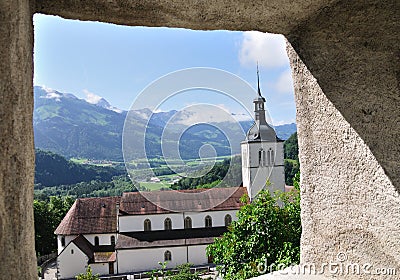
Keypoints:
pixel 88 275
pixel 291 147
pixel 267 231
pixel 291 155
pixel 184 273
pixel 291 168
pixel 47 216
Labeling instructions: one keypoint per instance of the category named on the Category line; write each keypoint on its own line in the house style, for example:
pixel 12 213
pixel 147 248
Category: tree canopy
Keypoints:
pixel 48 215
pixel 266 235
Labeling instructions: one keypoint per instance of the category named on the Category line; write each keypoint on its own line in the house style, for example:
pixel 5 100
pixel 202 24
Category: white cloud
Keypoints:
pixel 282 122
pixel 268 49
pixel 51 94
pixel 285 82
pixel 91 97
pixel 215 114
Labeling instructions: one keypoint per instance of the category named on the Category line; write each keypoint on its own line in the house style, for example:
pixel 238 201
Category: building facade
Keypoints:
pixel 127 234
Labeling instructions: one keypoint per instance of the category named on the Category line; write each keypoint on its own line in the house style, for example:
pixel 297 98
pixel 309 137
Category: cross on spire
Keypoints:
pixel 258 81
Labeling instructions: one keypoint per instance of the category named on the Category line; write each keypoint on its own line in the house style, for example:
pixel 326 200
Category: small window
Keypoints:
pixel 272 157
pixel 167 256
pixel 72 251
pixel 264 159
pixel 112 239
pixel 147 225
pixel 269 161
pixel 228 220
pixel 188 222
pixel 167 224
pixel 63 241
pixel 96 241
pixel 208 221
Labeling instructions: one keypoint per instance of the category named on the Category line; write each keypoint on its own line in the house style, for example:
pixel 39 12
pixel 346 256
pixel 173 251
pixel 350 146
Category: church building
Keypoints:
pixel 121 235
pixel 262 153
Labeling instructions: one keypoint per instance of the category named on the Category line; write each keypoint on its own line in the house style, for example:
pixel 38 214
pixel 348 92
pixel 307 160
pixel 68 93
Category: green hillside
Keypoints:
pixel 74 128
pixel 52 170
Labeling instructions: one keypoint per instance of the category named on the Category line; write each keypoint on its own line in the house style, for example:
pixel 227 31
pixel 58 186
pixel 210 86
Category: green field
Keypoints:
pixel 154 186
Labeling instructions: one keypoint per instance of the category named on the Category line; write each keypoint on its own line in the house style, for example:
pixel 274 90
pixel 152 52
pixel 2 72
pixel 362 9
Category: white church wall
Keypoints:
pixel 136 222
pixel 71 262
pixel 251 149
pixel 218 217
pixel 275 175
pixel 104 238
pixel 256 171
pixel 67 238
pixel 100 268
pixel 197 254
pixel 147 259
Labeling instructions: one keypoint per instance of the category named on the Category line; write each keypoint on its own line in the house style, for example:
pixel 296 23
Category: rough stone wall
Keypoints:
pixel 349 205
pixel 275 16
pixel 348 116
pixel 17 255
pixel 352 50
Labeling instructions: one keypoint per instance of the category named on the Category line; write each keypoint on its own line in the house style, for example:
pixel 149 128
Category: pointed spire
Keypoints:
pixel 258 81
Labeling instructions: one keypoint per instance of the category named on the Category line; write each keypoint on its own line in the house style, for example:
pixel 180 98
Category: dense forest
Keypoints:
pixel 291 155
pixel 95 188
pixel 219 174
pixel 52 170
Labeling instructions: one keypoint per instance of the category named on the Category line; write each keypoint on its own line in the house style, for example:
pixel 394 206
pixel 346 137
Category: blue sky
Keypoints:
pixel 91 59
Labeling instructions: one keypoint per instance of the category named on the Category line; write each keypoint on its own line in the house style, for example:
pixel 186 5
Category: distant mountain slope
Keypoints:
pixel 52 170
pixel 74 127
pixel 286 130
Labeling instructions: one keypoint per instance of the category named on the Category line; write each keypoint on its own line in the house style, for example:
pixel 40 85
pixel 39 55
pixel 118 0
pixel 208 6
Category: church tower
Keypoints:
pixel 262 153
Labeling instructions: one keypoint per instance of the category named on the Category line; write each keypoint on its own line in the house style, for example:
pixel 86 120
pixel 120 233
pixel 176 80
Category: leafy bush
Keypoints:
pixel 88 275
pixel 183 273
pixel 265 237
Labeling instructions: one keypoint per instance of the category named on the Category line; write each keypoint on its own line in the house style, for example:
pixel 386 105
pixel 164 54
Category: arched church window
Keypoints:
pixel 228 220
pixel 269 161
pixel 272 157
pixel 96 241
pixel 167 224
pixel 188 222
pixel 208 221
pixel 63 241
pixel 263 159
pixel 167 256
pixel 147 225
pixel 112 239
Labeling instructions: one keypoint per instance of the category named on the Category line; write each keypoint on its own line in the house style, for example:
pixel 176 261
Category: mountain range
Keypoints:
pixel 74 127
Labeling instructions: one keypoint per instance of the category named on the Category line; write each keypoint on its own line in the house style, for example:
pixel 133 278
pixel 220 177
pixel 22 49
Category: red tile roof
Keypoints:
pixel 135 203
pixel 99 215
pixel 101 257
pixel 90 215
pixel 84 245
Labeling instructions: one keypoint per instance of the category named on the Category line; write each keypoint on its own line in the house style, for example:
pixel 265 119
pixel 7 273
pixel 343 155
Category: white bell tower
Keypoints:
pixel 262 154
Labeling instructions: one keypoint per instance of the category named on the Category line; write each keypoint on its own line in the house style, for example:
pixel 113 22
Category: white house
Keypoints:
pixel 87 235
